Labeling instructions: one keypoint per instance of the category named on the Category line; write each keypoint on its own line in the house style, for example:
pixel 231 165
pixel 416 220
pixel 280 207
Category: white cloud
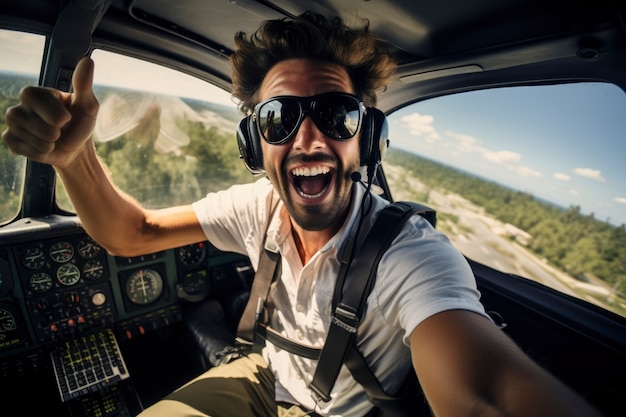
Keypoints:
pixel 501 157
pixel 463 138
pixel 593 174
pixel 559 176
pixel 465 143
pixel 573 192
pixel 621 200
pixel 421 125
pixel 527 172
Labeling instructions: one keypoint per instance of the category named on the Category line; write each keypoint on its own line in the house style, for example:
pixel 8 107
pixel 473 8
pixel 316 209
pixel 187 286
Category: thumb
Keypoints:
pixel 82 84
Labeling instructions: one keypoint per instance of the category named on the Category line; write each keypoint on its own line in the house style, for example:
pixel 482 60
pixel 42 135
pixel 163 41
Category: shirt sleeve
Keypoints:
pixel 234 219
pixel 423 274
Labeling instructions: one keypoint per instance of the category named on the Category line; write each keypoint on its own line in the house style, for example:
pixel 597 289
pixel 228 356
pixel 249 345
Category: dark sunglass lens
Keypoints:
pixel 338 116
pixel 278 119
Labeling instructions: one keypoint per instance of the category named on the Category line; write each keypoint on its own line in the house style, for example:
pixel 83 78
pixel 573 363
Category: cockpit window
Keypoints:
pixel 20 61
pixel 166 137
pixel 528 180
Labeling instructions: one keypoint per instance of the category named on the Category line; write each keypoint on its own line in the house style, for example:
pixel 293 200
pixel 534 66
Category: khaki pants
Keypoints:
pixel 242 388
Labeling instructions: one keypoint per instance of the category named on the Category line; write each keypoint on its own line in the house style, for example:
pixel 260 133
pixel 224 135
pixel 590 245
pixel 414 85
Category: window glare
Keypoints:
pixel 134 74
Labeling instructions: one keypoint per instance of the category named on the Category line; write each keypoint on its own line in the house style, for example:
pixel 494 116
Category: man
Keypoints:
pixel 424 309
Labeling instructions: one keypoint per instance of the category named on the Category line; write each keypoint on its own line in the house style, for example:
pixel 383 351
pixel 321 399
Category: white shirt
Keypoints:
pixel 421 274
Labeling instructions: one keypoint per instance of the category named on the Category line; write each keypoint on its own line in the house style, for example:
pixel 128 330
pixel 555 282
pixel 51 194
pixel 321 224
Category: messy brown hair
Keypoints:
pixel 370 66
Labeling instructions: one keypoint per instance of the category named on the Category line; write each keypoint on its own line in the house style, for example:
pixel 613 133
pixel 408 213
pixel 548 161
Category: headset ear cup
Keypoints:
pixel 249 146
pixel 365 145
pixel 380 135
pixel 374 137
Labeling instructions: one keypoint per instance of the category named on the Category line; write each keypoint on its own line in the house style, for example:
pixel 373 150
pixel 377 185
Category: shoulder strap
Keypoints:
pixel 267 270
pixel 354 292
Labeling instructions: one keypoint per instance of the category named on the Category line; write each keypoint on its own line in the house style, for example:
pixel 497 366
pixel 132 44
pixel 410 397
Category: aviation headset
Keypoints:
pixel 373 142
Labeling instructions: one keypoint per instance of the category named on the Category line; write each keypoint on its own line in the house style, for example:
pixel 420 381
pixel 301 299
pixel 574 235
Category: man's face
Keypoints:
pixel 311 172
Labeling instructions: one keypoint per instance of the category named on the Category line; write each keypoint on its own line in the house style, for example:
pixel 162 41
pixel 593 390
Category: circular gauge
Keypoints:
pixel 192 255
pixel 98 299
pixel 12 327
pixel 61 252
pixel 7 321
pixel 88 248
pixel 144 286
pixel 40 282
pixel 33 258
pixel 93 270
pixel 68 274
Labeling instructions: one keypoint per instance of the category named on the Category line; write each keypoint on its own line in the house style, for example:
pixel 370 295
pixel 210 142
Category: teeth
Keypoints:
pixel 310 172
pixel 313 196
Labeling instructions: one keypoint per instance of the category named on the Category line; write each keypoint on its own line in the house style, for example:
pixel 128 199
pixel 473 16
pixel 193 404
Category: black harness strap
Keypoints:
pixel 269 269
pixel 349 304
pixel 354 292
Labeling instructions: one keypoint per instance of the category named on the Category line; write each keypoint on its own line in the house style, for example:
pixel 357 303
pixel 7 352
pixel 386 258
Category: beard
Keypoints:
pixel 331 212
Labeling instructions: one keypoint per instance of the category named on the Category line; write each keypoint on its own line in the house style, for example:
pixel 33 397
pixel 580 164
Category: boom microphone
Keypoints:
pixel 355 176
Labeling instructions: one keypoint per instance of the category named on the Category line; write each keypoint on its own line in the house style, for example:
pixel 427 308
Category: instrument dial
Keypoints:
pixel 98 299
pixel 33 258
pixel 68 274
pixel 7 321
pixel 61 252
pixel 88 248
pixel 144 286
pixel 40 282
pixel 192 255
pixel 93 270
pixel 13 331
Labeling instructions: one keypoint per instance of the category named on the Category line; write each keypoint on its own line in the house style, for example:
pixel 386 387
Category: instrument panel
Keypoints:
pixel 64 284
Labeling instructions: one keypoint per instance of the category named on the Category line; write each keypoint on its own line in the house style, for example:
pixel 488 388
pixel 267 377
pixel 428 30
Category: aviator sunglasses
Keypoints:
pixel 336 115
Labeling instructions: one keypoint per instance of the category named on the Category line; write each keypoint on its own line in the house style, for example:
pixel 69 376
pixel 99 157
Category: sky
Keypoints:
pixel 565 144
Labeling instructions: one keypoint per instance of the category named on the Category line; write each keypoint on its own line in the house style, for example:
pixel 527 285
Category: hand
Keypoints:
pixel 51 126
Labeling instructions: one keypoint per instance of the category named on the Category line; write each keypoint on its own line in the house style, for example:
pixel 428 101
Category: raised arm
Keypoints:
pixel 467 367
pixel 54 127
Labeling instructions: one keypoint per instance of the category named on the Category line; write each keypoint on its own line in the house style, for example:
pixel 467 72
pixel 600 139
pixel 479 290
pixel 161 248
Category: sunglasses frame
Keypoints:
pixel 310 103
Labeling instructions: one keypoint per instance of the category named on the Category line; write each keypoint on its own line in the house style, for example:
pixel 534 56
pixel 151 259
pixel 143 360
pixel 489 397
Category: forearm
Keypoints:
pixel 110 216
pixel 542 396
pixel 468 367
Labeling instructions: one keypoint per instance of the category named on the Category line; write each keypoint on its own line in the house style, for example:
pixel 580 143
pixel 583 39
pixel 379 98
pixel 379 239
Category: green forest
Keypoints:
pixel 10 167
pixel 577 244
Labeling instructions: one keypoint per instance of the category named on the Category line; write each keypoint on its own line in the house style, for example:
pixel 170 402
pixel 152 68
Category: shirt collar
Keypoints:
pixel 279 228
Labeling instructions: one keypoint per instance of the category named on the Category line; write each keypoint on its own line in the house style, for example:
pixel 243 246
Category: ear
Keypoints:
pixel 250 146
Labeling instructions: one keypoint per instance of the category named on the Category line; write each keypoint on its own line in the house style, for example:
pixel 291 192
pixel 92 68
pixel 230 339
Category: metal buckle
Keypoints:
pixel 346 318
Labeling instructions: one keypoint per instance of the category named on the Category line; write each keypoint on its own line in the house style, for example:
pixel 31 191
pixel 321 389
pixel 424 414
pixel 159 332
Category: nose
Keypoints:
pixel 309 138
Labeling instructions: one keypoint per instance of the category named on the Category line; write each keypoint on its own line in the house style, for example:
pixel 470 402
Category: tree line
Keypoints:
pixel 578 244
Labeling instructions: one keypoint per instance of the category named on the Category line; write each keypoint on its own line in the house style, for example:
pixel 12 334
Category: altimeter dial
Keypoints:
pixel 144 286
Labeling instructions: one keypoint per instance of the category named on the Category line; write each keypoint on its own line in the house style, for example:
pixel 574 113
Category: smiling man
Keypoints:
pixel 311 174
pixel 308 89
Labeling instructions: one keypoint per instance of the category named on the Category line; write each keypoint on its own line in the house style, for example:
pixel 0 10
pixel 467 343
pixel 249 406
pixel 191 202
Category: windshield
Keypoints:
pixel 20 61
pixel 527 180
pixel 166 137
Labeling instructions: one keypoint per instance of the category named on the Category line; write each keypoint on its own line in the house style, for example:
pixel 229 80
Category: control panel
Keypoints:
pixel 64 285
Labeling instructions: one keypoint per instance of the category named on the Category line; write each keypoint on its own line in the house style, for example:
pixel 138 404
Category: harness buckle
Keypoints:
pixel 346 318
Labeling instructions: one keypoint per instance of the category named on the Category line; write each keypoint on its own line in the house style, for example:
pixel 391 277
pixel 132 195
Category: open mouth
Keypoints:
pixel 311 182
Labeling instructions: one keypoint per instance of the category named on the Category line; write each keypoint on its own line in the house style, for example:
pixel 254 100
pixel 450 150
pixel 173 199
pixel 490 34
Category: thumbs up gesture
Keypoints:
pixel 51 126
